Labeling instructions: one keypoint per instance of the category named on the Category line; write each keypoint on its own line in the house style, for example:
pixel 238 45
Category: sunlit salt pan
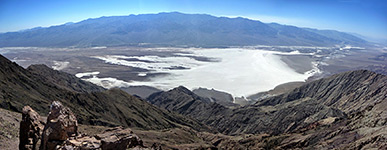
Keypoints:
pixel 104 82
pixel 60 65
pixel 108 82
pixel 241 72
pixel 86 74
pixel 141 74
pixel 154 63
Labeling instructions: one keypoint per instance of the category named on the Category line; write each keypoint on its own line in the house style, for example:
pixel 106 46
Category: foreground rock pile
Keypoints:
pixel 60 132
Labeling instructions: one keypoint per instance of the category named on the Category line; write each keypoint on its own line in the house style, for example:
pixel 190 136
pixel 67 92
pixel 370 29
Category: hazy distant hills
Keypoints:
pixel 174 29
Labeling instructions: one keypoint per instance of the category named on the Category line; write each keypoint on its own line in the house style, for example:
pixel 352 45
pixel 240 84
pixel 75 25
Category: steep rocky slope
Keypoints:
pixel 349 91
pixel 39 86
pixel 335 97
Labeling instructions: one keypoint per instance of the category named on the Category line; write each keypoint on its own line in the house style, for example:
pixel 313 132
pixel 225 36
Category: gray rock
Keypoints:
pixel 61 124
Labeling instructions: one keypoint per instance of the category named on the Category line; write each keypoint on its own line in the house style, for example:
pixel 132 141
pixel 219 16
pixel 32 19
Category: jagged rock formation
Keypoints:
pixel 61 124
pixel 31 127
pixel 37 86
pixel 61 132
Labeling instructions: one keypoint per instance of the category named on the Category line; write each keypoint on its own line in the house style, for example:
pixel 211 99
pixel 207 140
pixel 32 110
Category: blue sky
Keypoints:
pixel 366 17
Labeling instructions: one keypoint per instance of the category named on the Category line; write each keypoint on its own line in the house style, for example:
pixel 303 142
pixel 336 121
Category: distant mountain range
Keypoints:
pixel 174 29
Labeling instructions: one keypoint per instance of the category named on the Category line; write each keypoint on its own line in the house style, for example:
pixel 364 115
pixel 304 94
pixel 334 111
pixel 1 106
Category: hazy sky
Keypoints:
pixel 367 17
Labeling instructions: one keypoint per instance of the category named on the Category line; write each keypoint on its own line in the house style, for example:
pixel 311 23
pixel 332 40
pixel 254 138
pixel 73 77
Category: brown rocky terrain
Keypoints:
pixel 38 86
pixel 9 129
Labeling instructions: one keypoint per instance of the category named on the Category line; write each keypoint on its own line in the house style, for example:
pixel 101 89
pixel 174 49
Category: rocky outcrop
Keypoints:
pixel 118 138
pixel 112 139
pixel 61 132
pixel 31 127
pixel 61 124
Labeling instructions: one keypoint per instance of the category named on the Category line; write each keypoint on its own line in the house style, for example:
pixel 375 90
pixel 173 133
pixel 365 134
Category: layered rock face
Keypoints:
pixel 31 127
pixel 61 132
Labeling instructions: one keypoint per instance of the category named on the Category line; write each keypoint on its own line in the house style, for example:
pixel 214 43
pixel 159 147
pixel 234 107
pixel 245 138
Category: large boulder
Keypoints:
pixel 31 127
pixel 61 124
pixel 119 139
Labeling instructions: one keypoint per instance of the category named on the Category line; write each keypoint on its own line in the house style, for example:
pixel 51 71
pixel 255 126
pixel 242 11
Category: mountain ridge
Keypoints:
pixel 174 29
